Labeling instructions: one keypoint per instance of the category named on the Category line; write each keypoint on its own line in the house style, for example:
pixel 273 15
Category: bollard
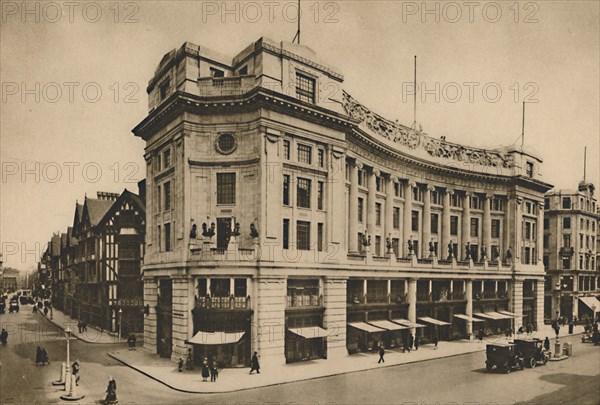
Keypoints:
pixel 61 381
pixel 557 351
pixel 72 395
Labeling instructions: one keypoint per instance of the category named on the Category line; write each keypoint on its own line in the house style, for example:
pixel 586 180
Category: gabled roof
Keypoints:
pixel 126 195
pixel 63 240
pixel 77 216
pixel 95 210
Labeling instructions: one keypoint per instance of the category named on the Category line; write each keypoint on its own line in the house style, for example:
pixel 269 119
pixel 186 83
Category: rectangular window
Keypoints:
pixel 361 177
pixel 320 192
pixel 476 203
pixel 566 223
pixel 226 188
pixel 495 228
pixel 160 244
pixel 454 225
pixel 303 235
pixel 474 226
pixel 286 189
pixel 320 237
pixel 434 223
pixel 417 194
pixel 546 223
pixel 377 214
pixel 529 169
pixel 158 199
pixel 546 241
pixel 396 218
pixel 378 245
pixel 456 200
pixel 436 197
pixel 527 230
pixel 216 72
pixel 305 88
pixel 167 193
pixel 164 89
pixel 303 193
pixel 244 70
pixel 360 209
pixel 167 158
pixel 566 263
pixel 304 154
pixel 397 189
pixel 286 234
pixel 566 240
pixel 321 156
pixel 566 203
pixel 415 221
pixel 167 228
pixel 546 203
pixel 286 149
pixel 497 204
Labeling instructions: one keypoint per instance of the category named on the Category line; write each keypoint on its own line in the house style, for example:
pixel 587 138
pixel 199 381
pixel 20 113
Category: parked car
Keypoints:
pixel 25 299
pixel 532 351
pixel 587 338
pixel 14 305
pixel 503 357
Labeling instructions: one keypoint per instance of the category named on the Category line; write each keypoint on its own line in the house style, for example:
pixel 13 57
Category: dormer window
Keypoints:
pixel 216 72
pixel 244 70
pixel 529 169
pixel 305 88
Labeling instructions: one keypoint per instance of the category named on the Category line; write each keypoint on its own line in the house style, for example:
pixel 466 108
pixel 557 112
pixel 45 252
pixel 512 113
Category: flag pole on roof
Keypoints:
pixel 298 31
pixel 414 125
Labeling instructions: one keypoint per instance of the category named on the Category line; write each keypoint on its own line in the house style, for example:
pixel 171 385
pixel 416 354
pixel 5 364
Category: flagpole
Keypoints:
pixel 523 127
pixel 415 96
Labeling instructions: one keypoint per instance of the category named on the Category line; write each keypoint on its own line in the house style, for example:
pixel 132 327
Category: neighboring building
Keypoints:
pixel 99 259
pixel 265 184
pixel 571 251
pixel 10 279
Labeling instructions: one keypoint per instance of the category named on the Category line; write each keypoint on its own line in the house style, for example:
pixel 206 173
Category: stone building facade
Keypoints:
pixel 285 217
pixel 571 253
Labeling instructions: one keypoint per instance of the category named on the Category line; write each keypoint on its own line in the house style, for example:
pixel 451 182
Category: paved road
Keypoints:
pixel 453 380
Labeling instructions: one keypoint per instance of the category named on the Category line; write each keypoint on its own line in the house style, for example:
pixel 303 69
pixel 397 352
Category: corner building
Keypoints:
pixel 285 217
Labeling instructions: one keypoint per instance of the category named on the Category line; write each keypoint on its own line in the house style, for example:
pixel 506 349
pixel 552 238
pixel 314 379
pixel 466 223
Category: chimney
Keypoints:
pixel 142 189
pixel 104 195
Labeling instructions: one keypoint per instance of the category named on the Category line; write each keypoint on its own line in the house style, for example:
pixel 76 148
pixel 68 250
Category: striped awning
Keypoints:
pixel 433 321
pixel 467 318
pixel 388 325
pixel 495 316
pixel 310 332
pixel 406 322
pixel 508 313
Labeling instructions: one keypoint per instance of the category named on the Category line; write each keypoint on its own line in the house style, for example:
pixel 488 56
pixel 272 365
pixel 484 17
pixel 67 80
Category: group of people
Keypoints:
pixel 41 356
pixel 82 326
pixel 209 369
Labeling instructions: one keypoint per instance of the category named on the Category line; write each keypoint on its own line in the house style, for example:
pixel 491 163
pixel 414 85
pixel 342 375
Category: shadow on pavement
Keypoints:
pixel 571 392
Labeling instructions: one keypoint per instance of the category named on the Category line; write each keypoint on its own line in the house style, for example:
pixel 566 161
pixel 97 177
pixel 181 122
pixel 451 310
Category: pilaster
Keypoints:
pixel 150 299
pixel 334 320
pixel 269 322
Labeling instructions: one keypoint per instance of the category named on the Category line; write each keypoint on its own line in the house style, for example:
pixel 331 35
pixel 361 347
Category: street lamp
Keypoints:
pixel 120 317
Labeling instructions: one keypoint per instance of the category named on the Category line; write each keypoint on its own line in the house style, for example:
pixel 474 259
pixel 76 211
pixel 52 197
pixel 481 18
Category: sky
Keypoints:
pixel 74 77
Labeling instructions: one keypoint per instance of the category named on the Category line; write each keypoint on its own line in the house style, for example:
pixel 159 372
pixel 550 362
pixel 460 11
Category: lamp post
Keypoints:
pixel 70 383
pixel 120 317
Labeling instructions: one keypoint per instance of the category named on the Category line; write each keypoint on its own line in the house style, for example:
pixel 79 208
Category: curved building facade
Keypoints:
pixel 285 217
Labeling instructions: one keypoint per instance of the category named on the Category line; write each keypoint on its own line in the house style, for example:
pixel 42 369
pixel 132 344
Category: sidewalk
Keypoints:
pixel 92 335
pixel 236 379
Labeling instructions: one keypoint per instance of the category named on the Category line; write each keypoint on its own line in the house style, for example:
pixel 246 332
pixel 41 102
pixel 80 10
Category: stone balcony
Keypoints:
pixel 230 302
pixel 226 86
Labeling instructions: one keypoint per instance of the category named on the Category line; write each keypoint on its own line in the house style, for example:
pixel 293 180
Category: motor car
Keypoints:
pixel 587 338
pixel 503 357
pixel 2 306
pixel 532 351
pixel 25 299
pixel 14 305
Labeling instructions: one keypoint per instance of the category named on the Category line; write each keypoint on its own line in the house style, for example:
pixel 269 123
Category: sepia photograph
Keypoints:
pixel 295 202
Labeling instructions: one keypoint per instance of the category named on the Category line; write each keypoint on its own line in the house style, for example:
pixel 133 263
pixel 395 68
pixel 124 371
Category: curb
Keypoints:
pixel 58 325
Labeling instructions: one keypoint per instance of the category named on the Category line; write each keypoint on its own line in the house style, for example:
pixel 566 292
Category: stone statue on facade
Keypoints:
pixel 410 247
pixel 253 231
pixel 193 232
pixel 450 251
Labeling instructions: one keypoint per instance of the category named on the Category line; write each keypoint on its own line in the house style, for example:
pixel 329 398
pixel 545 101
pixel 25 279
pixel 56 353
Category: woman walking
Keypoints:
pixel 205 370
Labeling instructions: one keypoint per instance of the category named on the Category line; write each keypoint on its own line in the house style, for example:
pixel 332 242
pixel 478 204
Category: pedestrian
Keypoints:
pixel 180 365
pixel 480 334
pixel 254 365
pixel 75 371
pixel 417 342
pixel 547 344
pixel 84 326
pixel 189 361
pixel 214 372
pixel 4 336
pixel 34 309
pixel 435 340
pixel 45 359
pixel 38 356
pixel 79 326
pixel 205 370
pixel 571 325
pixel 411 341
pixel 111 391
pixel 131 340
pixel 381 353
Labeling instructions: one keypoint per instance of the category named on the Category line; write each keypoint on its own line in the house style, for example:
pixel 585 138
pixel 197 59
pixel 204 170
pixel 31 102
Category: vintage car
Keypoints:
pixel 587 338
pixel 503 357
pixel 14 305
pixel 532 351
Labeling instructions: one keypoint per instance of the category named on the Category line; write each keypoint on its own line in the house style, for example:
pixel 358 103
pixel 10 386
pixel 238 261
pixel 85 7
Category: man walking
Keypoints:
pixel 416 342
pixel 381 353
pixel 75 370
pixel 411 341
pixel 254 365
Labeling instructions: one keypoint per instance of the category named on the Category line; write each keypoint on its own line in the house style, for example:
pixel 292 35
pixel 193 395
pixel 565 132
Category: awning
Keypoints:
pixel 387 325
pixel 507 313
pixel 495 316
pixel 406 322
pixel 433 321
pixel 467 318
pixel 310 332
pixel 365 327
pixel 215 338
pixel 591 302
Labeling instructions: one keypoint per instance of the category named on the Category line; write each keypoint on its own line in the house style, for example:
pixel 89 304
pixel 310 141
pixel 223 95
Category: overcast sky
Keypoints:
pixel 73 84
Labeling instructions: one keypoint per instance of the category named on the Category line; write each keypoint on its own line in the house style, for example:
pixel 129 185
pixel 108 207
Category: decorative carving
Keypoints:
pixel 412 139
pixel 366 238
pixel 208 232
pixel 388 244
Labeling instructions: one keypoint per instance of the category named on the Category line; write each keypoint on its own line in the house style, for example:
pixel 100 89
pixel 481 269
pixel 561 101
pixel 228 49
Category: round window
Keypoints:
pixel 226 143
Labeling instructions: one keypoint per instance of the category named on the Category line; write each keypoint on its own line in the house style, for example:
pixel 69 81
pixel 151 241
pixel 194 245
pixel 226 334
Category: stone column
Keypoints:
pixel 150 299
pixel 539 304
pixel 516 301
pixel 335 189
pixel 182 316
pixel 466 224
pixel 353 209
pixel 371 200
pixel 506 229
pixel 443 245
pixel 412 300
pixel 576 288
pixel 389 208
pixel 539 245
pixel 518 229
pixel 469 309
pixel 407 223
pixel 269 320
pixel 426 228
pixel 486 226
pixel 334 319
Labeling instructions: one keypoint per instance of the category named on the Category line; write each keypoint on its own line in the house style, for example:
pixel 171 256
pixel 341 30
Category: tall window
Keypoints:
pixel 454 225
pixel 303 193
pixel 167 228
pixel 434 223
pixel 456 200
pixel 529 169
pixel 225 188
pixel 167 158
pixel 398 189
pixel 377 214
pixel 167 193
pixel 320 237
pixel 474 226
pixel 286 189
pixel 546 223
pixel 286 234
pixel 415 221
pixel 304 154
pixel 476 203
pixel 320 192
pixel 360 209
pixel 378 245
pixel 436 197
pixel 566 223
pixel 158 199
pixel 380 184
pixel 286 149
pixel 362 176
pixel 527 230
pixel 546 203
pixel 566 203
pixel 305 88
pixel 321 156
pixel 303 235
pixel 396 218
pixel 495 228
